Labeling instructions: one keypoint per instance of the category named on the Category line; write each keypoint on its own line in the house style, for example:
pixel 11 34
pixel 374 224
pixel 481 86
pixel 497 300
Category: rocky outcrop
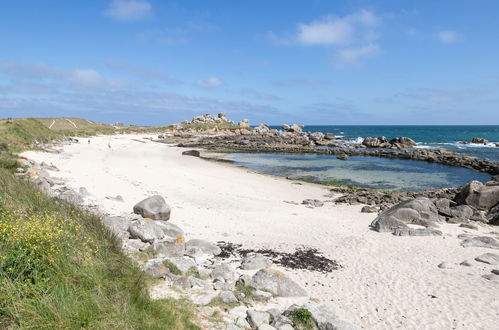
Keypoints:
pixel 418 211
pixel 479 140
pixel 478 195
pixel 153 207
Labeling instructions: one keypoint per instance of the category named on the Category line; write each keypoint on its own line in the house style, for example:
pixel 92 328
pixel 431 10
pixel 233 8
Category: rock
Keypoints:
pixel 169 249
pixel 117 225
pixel 242 322
pixel 488 258
pixel 277 283
pixel 369 209
pixel 316 136
pixel 419 211
pixel 313 203
pixel 43 185
pixel 156 268
pixel 153 207
pixel 479 140
pixel 135 245
pixel 445 265
pixel 117 198
pixel 495 271
pixel 266 327
pixel 182 263
pixel 326 319
pixel 223 271
pixel 244 123
pixel 461 211
pixel 262 294
pixel 481 241
pixel 257 318
pixel 194 153
pixel 228 297
pixel 72 197
pixel 468 226
pixel 478 195
pixel 405 231
pixel 465 263
pixel 231 326
pixel 329 136
pixel 255 261
pixel 342 157
pixel 205 246
pixel 169 229
pixel 146 231
pixel 403 142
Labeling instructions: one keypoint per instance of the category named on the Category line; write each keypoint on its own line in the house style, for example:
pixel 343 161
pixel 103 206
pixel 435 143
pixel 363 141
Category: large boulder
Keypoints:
pixel 479 140
pixel 153 207
pixel 146 231
pixel 418 211
pixel 117 225
pixel 481 241
pixel 379 142
pixel 205 246
pixel 478 195
pixel 488 258
pixel 277 283
pixel 402 142
pixel 326 319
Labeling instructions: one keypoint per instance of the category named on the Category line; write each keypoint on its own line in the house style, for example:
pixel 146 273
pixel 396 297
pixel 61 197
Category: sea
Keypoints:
pixel 383 173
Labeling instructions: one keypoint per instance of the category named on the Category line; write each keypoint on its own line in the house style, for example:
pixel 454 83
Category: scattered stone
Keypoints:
pixel 232 326
pixel 405 231
pixel 72 197
pixel 369 209
pixel 313 203
pixel 342 157
pixel 135 245
pixel 488 258
pixel 153 207
pixel 257 318
pixel 146 231
pixel 266 327
pixel 481 241
pixel 169 249
pixel 156 268
pixel 445 265
pixel 466 263
pixel 169 229
pixel 117 225
pixel 194 153
pixel 277 283
pixel 255 261
pixel 184 264
pixel 468 226
pixel 117 198
pixel 327 319
pixel 228 297
pixel 495 271
pixel 262 294
pixel 223 271
pixel 205 246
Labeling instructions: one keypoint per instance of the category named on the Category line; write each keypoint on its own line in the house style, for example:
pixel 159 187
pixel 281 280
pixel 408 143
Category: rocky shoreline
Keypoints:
pixel 292 139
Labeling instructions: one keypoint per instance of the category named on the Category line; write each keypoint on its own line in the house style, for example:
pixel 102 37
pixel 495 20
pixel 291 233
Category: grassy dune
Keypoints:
pixel 60 268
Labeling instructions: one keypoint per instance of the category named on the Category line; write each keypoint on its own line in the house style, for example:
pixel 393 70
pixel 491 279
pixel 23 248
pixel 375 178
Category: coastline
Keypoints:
pixel 233 204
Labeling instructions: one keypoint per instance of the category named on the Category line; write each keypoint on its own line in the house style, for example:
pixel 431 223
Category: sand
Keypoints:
pixel 386 282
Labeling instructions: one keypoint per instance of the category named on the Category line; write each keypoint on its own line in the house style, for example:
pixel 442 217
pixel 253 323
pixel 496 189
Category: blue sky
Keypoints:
pixel 154 62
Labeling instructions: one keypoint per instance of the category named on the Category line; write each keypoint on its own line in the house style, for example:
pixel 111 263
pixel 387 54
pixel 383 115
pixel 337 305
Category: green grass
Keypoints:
pixel 327 183
pixel 302 319
pixel 60 268
pixel 78 278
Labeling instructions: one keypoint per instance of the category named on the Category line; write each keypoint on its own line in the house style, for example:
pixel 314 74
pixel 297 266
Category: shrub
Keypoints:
pixel 302 317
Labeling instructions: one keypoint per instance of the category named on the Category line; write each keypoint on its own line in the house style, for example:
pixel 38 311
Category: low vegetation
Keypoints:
pixel 302 319
pixel 60 268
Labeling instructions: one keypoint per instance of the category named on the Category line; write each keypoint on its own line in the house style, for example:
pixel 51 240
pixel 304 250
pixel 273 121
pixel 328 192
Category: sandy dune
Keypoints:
pixel 387 282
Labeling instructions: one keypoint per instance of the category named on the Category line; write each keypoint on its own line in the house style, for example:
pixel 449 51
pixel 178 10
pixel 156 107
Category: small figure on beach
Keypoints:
pixel 109 145
pixel 88 141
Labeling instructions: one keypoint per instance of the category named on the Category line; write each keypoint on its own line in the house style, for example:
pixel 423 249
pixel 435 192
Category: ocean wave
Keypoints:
pixel 466 145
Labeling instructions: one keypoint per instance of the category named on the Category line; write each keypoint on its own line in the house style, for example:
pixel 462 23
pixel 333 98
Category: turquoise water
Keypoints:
pixel 373 172
pixel 428 137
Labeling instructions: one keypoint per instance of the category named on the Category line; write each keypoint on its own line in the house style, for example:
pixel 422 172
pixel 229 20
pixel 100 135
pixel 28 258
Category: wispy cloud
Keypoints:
pixel 210 82
pixel 129 10
pixel 353 37
pixel 355 56
pixel 447 36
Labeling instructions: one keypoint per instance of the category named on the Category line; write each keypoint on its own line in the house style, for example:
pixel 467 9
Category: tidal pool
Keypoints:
pixel 372 172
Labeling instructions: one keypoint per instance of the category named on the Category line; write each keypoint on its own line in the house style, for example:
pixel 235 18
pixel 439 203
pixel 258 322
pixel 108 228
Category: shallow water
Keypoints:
pixel 373 172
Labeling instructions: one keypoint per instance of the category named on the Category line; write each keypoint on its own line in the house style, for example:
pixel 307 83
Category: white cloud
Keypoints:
pixel 334 30
pixel 129 10
pixel 209 82
pixel 448 36
pixel 355 56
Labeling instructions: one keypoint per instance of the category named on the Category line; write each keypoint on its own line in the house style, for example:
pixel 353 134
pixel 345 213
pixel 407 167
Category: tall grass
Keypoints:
pixel 60 268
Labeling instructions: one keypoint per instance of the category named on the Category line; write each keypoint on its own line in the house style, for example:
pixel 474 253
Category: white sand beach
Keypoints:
pixel 387 282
